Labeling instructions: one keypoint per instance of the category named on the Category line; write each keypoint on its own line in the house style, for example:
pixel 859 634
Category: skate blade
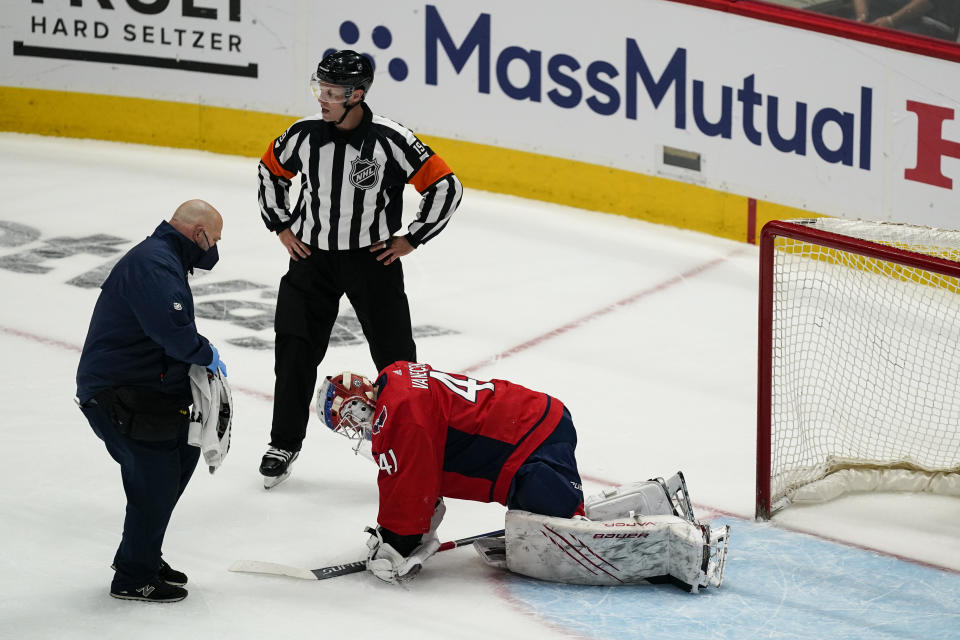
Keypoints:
pixel 270 483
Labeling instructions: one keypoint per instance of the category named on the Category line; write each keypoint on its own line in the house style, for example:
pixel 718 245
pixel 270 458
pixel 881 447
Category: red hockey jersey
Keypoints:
pixel 440 434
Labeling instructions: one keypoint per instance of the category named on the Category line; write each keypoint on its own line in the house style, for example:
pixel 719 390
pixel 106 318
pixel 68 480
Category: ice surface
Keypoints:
pixel 647 333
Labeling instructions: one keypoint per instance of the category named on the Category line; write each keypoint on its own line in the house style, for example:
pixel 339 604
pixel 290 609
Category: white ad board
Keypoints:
pixel 233 53
pixel 775 113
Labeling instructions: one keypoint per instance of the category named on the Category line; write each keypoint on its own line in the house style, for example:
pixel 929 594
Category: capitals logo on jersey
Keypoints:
pixel 378 423
pixel 364 174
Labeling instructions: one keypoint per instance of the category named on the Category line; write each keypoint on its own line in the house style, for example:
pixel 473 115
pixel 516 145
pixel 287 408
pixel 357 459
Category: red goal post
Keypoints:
pixel 858 362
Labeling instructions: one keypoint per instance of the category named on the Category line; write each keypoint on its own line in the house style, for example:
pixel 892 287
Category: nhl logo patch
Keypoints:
pixel 364 174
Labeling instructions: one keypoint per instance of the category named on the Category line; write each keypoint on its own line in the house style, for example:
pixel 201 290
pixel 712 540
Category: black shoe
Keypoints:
pixel 156 591
pixel 276 461
pixel 168 574
pixel 171 576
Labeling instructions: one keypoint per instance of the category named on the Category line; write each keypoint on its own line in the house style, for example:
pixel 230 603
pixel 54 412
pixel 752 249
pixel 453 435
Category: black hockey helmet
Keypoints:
pixel 345 68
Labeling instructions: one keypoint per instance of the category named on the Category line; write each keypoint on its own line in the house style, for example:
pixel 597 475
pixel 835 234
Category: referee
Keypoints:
pixel 353 167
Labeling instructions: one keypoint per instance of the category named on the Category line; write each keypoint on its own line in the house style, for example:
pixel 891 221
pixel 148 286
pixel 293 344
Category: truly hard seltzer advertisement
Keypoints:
pixel 225 52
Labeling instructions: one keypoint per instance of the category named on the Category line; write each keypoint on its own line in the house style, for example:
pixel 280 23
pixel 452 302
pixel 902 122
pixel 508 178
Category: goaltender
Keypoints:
pixel 437 435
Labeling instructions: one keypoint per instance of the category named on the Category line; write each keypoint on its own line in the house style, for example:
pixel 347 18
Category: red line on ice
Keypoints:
pixel 599 313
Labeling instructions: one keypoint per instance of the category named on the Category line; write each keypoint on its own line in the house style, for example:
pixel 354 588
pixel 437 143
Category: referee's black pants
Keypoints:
pixel 307 308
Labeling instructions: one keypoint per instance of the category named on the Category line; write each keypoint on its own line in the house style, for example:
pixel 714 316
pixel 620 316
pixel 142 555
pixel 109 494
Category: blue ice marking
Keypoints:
pixel 777 584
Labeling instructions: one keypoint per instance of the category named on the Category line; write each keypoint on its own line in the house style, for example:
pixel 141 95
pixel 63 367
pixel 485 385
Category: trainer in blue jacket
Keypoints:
pixel 133 387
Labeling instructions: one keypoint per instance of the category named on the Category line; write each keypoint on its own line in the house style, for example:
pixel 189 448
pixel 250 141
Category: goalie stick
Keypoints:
pixel 336 570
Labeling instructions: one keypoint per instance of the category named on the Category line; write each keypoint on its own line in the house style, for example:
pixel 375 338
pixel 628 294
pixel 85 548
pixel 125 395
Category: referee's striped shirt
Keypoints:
pixel 352 183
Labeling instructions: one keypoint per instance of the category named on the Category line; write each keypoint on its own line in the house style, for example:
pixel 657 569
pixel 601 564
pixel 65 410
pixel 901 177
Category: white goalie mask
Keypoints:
pixel 346 403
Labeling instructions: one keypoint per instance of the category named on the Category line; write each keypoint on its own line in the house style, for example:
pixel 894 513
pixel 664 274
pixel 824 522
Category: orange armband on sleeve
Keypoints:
pixel 269 160
pixel 431 171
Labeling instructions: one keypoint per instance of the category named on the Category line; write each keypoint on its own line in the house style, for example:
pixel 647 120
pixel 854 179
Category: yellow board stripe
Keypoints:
pixel 168 124
pixel 479 166
pixel 891 270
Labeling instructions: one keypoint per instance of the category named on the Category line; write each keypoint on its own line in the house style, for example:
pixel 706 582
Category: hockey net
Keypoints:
pixel 859 360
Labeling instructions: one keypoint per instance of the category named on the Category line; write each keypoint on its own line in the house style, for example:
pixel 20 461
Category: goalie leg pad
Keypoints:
pixel 653 497
pixel 680 497
pixel 611 552
pixel 647 498
pixel 718 544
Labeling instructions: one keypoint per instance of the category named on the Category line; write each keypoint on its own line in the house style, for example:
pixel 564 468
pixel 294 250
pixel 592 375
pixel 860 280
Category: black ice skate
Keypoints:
pixel 275 466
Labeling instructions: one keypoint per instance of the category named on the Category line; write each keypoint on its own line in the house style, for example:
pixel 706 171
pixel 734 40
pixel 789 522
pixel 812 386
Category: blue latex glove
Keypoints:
pixel 217 363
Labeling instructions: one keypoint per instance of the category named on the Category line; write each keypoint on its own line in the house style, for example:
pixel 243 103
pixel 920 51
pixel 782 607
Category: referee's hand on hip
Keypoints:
pixel 294 246
pixel 395 247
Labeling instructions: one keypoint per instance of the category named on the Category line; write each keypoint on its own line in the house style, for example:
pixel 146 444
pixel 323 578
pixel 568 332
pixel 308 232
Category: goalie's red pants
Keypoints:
pixel 548 482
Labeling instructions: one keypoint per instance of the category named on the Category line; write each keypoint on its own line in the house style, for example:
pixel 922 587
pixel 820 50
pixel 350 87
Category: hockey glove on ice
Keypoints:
pixel 386 563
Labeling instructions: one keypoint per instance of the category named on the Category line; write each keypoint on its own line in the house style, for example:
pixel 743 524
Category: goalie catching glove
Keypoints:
pixel 390 565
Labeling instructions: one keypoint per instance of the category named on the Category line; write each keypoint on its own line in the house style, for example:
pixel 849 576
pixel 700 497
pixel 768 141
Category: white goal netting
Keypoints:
pixel 865 365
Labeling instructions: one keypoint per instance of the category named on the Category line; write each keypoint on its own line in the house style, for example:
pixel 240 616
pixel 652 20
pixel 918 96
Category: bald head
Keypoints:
pixel 199 221
pixel 197 212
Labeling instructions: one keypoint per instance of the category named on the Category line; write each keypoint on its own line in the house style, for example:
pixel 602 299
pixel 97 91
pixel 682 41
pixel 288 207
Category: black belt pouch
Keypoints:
pixel 145 414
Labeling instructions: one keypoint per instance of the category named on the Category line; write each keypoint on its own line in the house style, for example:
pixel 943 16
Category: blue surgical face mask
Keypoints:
pixel 209 257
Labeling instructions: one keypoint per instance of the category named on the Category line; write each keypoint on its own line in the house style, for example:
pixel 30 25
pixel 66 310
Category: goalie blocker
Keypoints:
pixel 635 533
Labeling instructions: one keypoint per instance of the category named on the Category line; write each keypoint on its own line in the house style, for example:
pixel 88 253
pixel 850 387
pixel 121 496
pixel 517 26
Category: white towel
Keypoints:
pixel 211 415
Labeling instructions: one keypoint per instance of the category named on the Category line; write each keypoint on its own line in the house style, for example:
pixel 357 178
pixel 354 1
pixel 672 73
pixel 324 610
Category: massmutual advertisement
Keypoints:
pixel 752 108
